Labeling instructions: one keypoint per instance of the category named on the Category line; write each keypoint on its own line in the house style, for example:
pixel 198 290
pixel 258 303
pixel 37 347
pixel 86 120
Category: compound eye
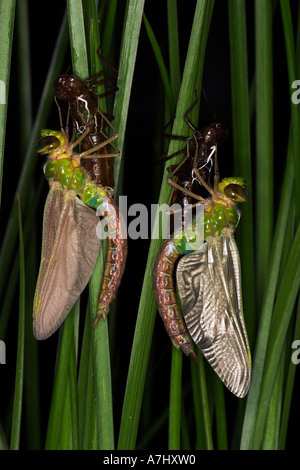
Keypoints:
pixel 236 192
pixel 46 144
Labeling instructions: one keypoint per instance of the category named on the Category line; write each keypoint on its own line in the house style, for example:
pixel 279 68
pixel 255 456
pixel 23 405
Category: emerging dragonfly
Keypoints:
pixel 85 112
pixel 70 242
pixel 209 285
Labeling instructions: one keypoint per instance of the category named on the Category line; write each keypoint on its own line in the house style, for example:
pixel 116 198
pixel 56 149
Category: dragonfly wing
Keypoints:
pixel 52 212
pixel 69 254
pixel 210 292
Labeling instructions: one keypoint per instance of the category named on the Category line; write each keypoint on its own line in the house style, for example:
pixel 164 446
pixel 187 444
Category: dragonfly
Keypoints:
pixel 71 242
pixel 85 112
pixel 209 284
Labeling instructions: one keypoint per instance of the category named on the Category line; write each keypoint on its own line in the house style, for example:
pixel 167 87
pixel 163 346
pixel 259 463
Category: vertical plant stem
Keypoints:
pixel 60 384
pixel 24 73
pixel 161 65
pixel 271 433
pixel 289 389
pixel 7 14
pixel 287 294
pixel 220 411
pixel 277 250
pixel 77 38
pixel 175 400
pixel 174 59
pixel 242 148
pixel 102 370
pixel 292 75
pixel 267 308
pixel 205 407
pixel 18 396
pixel 128 53
pixel 264 141
pixel 108 31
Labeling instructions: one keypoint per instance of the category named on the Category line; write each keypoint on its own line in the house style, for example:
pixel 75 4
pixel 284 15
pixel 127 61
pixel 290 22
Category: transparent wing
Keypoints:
pixel 210 292
pixel 69 254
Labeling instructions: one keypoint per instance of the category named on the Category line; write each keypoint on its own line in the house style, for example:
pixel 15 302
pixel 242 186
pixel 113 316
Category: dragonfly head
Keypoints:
pixel 234 189
pixel 50 142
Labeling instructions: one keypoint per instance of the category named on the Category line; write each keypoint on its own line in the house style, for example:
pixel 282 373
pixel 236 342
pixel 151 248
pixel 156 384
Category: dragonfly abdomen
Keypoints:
pixel 166 299
pixel 115 258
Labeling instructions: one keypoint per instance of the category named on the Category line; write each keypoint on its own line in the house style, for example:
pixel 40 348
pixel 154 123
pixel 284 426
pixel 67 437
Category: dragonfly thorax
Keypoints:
pixel 66 173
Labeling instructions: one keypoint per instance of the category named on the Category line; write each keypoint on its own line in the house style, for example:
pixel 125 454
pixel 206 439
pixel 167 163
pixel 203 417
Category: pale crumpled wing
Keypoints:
pixel 69 254
pixel 210 293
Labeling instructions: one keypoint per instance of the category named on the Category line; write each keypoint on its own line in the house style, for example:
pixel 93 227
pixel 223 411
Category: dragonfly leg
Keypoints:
pixel 165 158
pixel 184 190
pixel 105 80
pixel 187 120
pixel 177 167
pixel 173 136
pixel 97 147
pixel 201 180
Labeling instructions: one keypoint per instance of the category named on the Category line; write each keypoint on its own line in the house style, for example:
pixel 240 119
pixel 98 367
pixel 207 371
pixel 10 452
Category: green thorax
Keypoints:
pixel 221 216
pixel 67 173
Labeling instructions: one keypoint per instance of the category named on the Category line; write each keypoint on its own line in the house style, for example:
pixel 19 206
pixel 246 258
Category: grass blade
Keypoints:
pixel 126 68
pixel 108 31
pixel 205 406
pixel 174 59
pixel 24 72
pixel 7 14
pixel 289 389
pixel 101 359
pixel 242 149
pixel 292 75
pixel 271 434
pixel 267 309
pixel 18 397
pixel 161 64
pixel 175 400
pixel 283 309
pixel 60 384
pixel 264 141
pixel 77 38
pixel 277 249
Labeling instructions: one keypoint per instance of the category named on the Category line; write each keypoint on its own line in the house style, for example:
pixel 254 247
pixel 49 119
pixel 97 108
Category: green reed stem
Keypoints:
pixel 18 394
pixel 7 14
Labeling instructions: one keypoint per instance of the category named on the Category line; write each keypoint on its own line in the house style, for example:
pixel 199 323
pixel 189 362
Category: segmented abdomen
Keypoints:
pixel 115 258
pixel 163 286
